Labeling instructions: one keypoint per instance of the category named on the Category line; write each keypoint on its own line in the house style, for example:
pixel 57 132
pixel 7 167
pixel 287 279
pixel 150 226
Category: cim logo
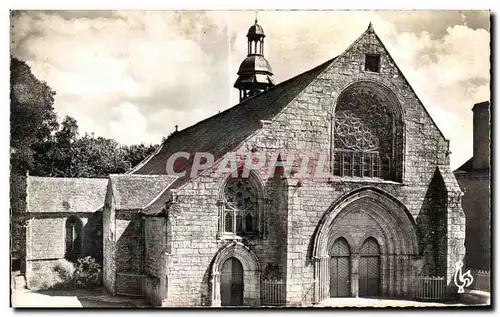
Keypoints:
pixel 462 280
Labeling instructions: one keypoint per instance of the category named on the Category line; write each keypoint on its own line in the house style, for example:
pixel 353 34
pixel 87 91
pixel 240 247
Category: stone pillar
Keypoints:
pixel 392 276
pixel 324 277
pixel 316 298
pixel 215 281
pixel 321 277
pixel 385 276
pixel 405 275
pixel 355 274
pixel 399 275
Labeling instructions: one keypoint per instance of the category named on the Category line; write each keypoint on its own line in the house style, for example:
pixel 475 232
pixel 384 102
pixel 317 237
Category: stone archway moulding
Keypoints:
pixel 396 217
pixel 237 250
pixel 397 240
pixel 251 273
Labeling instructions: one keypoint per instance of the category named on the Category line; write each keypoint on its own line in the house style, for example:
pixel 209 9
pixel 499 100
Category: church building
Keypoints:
pixel 388 208
pixel 385 208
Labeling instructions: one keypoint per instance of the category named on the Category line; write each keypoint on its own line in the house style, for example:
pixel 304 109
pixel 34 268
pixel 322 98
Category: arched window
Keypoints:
pixel 74 229
pixel 367 134
pixel 240 207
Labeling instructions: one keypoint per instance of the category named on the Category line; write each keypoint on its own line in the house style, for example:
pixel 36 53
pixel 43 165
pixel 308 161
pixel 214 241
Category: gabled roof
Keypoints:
pixel 132 192
pixel 466 167
pixel 223 132
pixel 69 195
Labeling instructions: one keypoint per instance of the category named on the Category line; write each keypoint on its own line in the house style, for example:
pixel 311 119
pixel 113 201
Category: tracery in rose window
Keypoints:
pixel 240 206
pixel 363 135
pixel 363 122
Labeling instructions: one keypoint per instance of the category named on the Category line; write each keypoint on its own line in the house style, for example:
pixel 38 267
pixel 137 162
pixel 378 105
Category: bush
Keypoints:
pixel 60 274
pixel 42 280
pixel 84 273
pixel 65 269
pixel 87 272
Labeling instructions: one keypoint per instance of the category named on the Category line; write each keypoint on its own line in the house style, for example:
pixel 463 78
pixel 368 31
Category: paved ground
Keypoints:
pixel 375 302
pixel 100 298
pixel 73 298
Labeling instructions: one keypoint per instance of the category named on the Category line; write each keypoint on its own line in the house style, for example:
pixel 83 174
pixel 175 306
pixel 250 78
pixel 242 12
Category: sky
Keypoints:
pixel 134 75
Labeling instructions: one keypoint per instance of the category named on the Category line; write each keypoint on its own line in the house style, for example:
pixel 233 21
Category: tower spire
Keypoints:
pixel 254 74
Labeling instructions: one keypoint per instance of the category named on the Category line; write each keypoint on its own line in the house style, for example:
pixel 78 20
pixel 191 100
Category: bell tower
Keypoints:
pixel 255 73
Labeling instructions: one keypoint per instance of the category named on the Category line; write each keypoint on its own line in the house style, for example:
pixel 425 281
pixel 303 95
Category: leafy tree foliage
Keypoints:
pixel 40 145
pixel 44 148
pixel 32 116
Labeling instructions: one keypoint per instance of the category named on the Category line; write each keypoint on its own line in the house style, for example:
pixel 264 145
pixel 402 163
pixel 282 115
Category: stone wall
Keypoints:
pixel 476 204
pixel 155 235
pixel 109 233
pixel 196 240
pixel 305 126
pixel 129 252
pixel 46 237
pixel 46 241
pixel 155 244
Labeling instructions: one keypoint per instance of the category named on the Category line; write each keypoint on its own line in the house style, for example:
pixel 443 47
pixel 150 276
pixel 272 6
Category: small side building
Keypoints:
pixel 64 221
pixel 125 264
pixel 474 179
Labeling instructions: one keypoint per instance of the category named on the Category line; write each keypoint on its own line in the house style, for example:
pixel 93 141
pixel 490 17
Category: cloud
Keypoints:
pixel 178 67
pixel 131 126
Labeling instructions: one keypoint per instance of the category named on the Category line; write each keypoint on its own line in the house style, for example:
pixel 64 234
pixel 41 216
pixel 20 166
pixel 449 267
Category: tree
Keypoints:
pixel 134 154
pixel 32 116
pixel 32 121
pixel 54 156
pixel 97 157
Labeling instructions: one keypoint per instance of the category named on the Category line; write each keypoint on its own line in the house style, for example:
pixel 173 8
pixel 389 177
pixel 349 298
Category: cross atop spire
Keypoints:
pixel 370 27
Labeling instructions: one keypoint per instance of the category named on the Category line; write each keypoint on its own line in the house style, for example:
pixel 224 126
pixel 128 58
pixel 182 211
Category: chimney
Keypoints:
pixel 481 130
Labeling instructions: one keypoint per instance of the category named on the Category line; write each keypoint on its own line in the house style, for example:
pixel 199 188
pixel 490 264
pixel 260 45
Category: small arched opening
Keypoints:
pixel 74 238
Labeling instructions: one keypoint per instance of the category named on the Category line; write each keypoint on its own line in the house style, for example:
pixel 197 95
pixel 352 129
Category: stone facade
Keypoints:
pixel 474 178
pixel 415 217
pixel 178 240
pixel 50 203
pixel 125 262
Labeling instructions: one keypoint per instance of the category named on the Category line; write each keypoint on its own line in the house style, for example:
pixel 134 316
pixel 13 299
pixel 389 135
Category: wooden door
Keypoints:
pixel 340 269
pixel 231 283
pixel 369 269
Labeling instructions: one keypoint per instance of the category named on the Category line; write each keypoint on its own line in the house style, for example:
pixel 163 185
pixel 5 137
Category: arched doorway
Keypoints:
pixel 369 269
pixel 340 269
pixel 231 283
pixel 235 278
pixel 384 219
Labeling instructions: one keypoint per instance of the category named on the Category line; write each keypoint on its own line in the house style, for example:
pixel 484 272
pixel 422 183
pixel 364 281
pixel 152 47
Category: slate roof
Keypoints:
pixel 133 192
pixel 71 195
pixel 223 132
